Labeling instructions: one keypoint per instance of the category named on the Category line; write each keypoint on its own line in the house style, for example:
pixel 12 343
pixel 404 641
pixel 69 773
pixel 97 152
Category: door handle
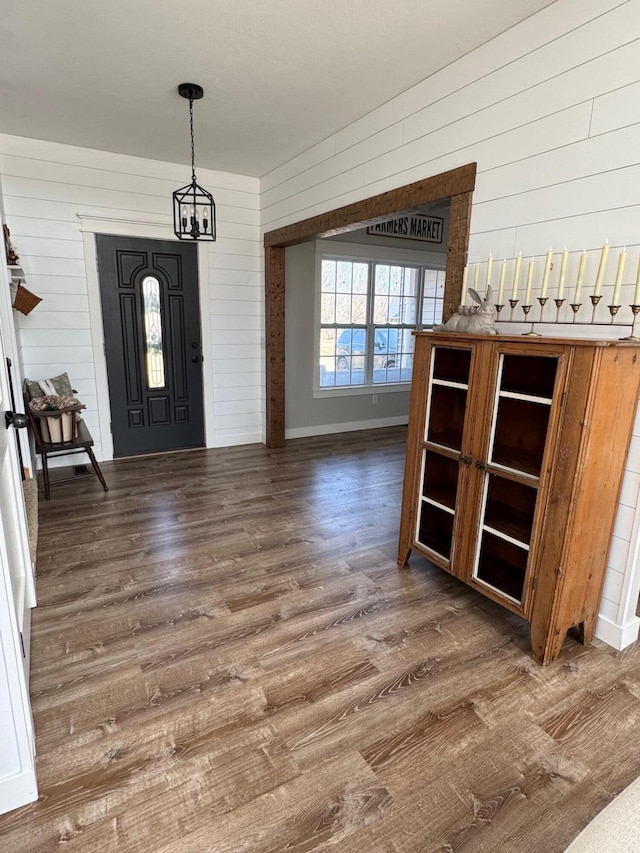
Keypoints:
pixel 466 460
pixel 481 466
pixel 19 421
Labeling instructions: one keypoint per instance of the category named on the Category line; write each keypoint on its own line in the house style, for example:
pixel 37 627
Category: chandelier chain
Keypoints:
pixel 193 147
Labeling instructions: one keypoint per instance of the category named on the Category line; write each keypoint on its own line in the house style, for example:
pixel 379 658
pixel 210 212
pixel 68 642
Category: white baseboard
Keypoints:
pixel 350 426
pixel 18 790
pixel 618 636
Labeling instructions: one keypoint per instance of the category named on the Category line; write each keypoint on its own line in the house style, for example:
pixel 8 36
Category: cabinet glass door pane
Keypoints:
pixel 529 374
pixel 438 497
pixel 440 481
pixel 448 387
pixel 509 508
pixel 446 416
pixel 520 435
pixel 506 523
pixel 435 530
pixel 451 364
pixel 522 408
pixel 502 565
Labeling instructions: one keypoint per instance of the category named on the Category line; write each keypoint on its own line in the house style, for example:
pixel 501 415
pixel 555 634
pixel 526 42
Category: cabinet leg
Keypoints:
pixel 587 629
pixel 403 557
pixel 545 648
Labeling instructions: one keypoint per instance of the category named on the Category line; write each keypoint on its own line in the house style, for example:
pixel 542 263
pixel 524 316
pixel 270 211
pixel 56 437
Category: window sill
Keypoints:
pixel 359 390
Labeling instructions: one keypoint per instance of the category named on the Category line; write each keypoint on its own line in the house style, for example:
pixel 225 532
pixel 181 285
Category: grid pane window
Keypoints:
pixel 432 297
pixel 368 311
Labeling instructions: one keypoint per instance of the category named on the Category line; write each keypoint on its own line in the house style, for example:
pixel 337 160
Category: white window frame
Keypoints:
pixel 364 253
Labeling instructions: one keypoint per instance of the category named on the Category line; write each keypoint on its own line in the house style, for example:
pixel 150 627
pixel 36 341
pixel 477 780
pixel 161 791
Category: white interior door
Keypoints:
pixel 17 764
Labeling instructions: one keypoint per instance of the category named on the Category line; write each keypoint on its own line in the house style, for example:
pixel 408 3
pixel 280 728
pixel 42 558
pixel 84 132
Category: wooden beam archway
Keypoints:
pixel 456 185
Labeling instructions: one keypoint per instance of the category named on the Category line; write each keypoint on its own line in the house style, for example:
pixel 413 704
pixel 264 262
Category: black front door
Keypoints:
pixel 151 316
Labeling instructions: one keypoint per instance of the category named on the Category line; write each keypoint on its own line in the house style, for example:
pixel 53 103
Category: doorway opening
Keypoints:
pixel 456 185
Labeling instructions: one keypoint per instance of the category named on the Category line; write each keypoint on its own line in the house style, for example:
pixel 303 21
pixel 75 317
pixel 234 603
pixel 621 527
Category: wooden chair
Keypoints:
pixel 81 443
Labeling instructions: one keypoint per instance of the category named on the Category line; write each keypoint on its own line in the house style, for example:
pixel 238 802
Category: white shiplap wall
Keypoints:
pixel 550 110
pixel 47 187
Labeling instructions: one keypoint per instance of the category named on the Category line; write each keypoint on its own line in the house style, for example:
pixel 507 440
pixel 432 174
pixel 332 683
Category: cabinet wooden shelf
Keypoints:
pixel 515 457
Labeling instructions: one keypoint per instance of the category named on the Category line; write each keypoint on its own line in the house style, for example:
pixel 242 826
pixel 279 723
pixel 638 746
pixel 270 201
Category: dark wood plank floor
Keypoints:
pixel 225 658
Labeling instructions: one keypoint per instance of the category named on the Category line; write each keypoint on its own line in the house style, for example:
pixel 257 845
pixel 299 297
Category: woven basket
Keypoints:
pixel 25 301
pixel 57 429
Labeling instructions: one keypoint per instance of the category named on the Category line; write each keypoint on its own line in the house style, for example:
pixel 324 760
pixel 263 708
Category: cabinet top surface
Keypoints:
pixel 523 339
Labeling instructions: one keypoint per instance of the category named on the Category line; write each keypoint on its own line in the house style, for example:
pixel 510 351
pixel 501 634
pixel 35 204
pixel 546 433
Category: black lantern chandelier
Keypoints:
pixel 194 210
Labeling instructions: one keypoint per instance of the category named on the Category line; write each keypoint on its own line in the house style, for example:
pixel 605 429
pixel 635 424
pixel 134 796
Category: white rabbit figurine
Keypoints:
pixel 477 319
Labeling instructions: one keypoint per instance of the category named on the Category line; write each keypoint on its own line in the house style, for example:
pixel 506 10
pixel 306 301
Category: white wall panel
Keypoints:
pixel 250 393
pixel 237 380
pixel 332 189
pixel 630 486
pixel 324 150
pixel 613 584
pixel 244 263
pixel 603 191
pixel 235 351
pixel 608 609
pixel 237 307
pixel 235 336
pixel 581 231
pixel 241 322
pixel 238 407
pixel 55 319
pixel 238 279
pixel 616 109
pixel 45 284
pixel 50 229
pixel 387 139
pixel 590 156
pixel 121 163
pixel 54 337
pixel 550 78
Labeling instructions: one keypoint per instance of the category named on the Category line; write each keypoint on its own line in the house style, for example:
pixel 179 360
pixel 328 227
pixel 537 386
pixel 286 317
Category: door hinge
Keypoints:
pixel 22 644
pixel 534 582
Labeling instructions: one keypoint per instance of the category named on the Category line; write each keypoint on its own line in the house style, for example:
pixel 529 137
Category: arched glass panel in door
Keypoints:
pixel 153 350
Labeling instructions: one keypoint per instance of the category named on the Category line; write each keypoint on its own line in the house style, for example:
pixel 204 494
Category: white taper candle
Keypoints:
pixel 545 274
pixel 503 271
pixel 489 270
pixel 620 272
pixel 516 276
pixel 580 279
pixel 527 295
pixel 604 254
pixel 563 274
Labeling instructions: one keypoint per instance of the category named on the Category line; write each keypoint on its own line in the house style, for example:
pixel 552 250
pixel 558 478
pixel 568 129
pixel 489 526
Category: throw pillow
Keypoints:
pixel 60 383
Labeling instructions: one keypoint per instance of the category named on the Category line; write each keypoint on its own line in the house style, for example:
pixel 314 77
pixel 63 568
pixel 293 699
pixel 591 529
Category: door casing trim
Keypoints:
pixel 92 225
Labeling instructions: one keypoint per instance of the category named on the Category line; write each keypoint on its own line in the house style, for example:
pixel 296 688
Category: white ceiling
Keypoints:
pixel 279 75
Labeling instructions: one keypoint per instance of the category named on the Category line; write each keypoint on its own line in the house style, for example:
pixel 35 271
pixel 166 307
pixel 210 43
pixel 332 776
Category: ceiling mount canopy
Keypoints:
pixel 194 210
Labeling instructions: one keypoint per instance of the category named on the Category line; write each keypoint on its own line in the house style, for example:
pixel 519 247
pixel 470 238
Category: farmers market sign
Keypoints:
pixel 416 226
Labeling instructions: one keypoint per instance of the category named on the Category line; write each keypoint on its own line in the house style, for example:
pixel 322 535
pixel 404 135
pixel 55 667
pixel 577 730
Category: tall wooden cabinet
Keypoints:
pixel 516 452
